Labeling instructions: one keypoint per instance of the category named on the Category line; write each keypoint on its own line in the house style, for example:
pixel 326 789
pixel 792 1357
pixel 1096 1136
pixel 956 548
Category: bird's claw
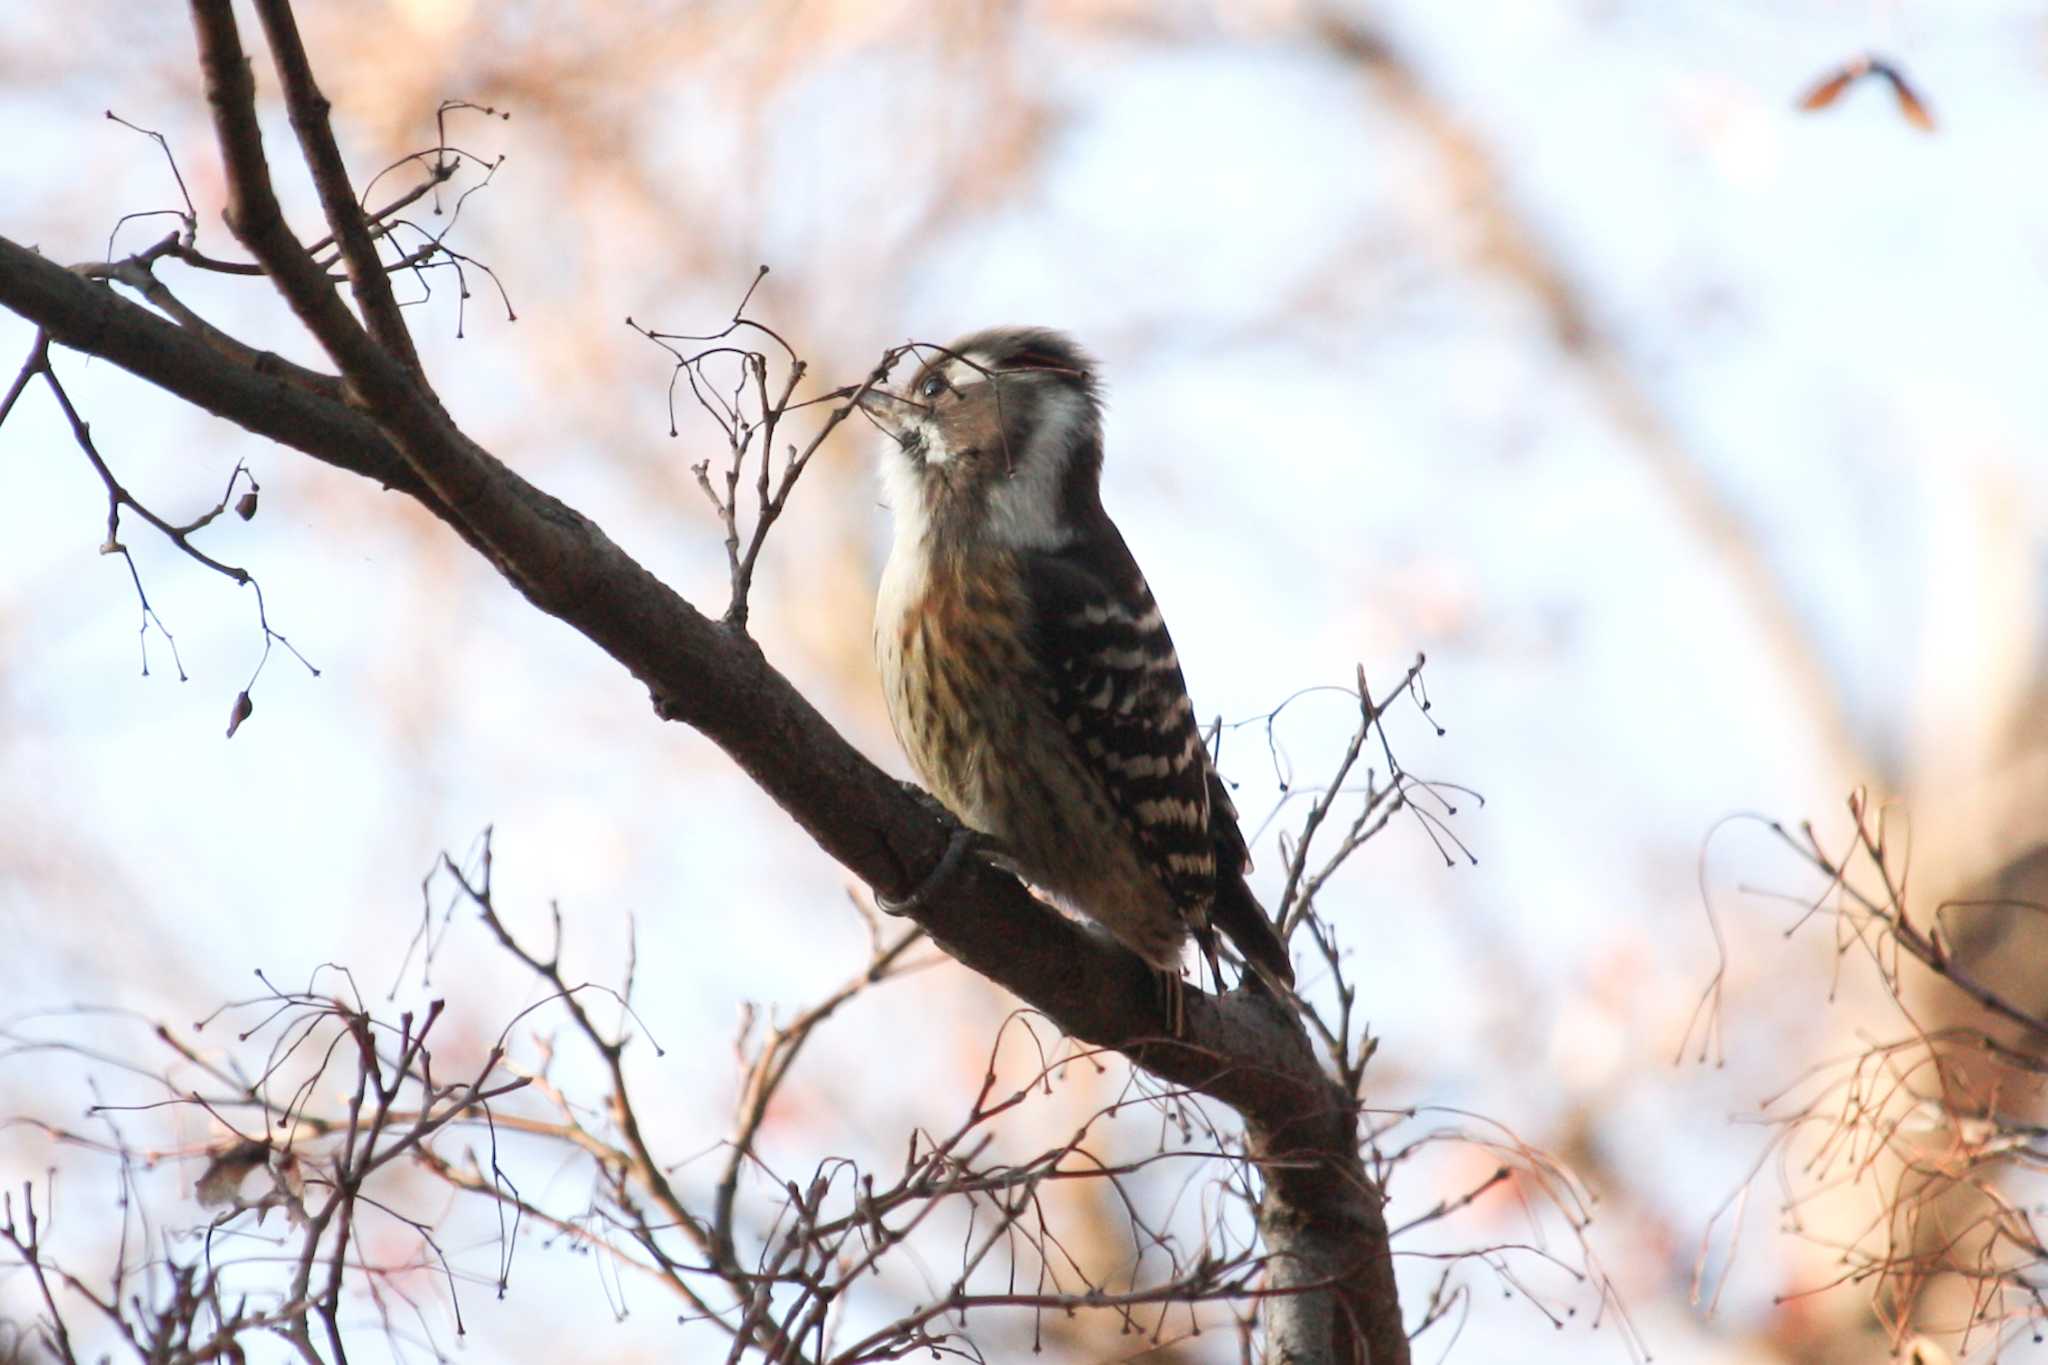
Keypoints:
pixel 1175 993
pixel 957 845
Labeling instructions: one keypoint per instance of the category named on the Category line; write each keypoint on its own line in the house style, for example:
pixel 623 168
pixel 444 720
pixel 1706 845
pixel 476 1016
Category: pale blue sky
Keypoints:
pixel 1337 434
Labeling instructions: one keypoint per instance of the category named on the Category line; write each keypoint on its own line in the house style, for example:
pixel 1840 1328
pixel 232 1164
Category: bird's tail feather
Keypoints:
pixel 1237 912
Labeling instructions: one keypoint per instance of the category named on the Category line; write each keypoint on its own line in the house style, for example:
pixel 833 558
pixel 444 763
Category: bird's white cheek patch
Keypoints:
pixel 936 451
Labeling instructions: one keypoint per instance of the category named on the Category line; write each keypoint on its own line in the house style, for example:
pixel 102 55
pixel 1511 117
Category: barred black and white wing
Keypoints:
pixel 1112 677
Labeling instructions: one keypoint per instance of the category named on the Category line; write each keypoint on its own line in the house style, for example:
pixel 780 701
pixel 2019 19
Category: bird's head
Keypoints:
pixel 997 439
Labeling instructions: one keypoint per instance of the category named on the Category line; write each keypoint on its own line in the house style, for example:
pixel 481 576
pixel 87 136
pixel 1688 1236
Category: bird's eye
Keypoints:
pixel 932 387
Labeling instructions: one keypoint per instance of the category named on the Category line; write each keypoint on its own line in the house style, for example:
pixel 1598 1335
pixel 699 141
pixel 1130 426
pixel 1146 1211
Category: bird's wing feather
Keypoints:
pixel 1114 680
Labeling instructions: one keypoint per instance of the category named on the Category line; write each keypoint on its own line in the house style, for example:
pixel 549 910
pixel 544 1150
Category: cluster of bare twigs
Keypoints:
pixel 832 1263
pixel 1365 798
pixel 1544 1188
pixel 404 246
pixel 337 1102
pixel 731 383
pixel 1379 796
pixel 772 1259
pixel 1937 1129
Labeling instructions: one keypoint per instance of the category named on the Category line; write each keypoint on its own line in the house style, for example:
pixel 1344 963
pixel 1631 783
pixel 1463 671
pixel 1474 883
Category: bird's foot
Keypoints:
pixel 962 841
pixel 1205 939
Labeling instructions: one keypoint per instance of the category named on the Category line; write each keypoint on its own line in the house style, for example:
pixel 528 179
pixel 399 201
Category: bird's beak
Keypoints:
pixel 893 413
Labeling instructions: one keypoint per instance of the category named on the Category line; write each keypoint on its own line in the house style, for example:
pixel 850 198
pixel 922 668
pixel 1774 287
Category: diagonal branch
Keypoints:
pixel 351 231
pixel 264 395
pixel 138 273
pixel 257 220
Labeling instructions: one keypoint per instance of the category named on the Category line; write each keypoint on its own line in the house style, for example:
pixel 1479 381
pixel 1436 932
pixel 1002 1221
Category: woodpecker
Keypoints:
pixel 1028 673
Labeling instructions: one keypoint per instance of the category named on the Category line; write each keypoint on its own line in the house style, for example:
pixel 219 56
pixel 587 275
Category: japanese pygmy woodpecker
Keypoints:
pixel 1028 673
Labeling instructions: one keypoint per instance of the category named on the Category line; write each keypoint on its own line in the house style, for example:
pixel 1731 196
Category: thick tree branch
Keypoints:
pixel 264 396
pixel 138 273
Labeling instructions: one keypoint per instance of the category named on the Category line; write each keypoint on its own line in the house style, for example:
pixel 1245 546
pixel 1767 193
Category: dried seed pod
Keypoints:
pixel 221 1182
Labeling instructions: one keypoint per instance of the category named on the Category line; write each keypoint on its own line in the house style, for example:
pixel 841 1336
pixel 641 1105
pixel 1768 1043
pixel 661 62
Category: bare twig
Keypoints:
pixel 1920 1123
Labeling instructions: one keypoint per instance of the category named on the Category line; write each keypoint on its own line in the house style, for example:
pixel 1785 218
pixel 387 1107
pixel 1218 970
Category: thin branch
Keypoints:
pixel 309 110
